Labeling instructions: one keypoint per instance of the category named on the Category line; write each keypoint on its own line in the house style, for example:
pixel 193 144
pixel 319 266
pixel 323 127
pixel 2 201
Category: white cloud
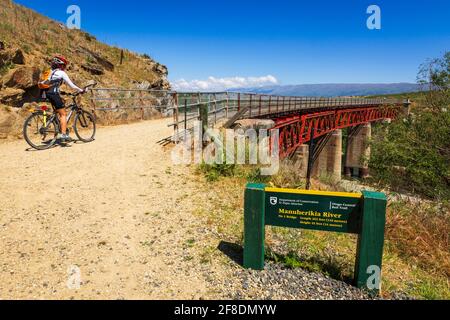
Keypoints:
pixel 221 84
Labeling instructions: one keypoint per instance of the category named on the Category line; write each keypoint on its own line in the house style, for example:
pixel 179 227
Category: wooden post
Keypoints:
pixel 185 119
pixel 175 117
pixel 199 106
pixel 254 226
pixel 215 109
pixel 204 112
pixel 141 100
pixel 239 102
pixel 260 105
pixel 93 105
pixel 369 254
pixel 227 107
pixel 121 57
pixel 270 104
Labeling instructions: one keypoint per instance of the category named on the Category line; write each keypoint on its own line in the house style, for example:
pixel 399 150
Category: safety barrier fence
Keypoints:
pixel 219 108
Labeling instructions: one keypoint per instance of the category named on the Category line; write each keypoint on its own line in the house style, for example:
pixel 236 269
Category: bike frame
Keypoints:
pixel 54 117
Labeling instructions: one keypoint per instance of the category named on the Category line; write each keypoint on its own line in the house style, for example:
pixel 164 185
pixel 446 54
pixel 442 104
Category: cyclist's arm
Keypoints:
pixel 70 83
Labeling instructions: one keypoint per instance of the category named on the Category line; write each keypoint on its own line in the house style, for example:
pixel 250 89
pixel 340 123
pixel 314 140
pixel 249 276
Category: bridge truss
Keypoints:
pixel 298 119
pixel 300 129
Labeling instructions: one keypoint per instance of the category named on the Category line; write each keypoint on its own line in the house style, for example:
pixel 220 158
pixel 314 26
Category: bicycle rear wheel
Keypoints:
pixel 38 132
pixel 85 127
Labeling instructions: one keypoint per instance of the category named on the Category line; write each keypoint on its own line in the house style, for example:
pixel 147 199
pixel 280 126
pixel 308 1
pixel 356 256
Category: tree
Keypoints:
pixel 434 76
pixel 419 144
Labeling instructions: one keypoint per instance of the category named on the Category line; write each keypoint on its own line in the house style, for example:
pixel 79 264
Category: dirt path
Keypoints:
pixel 116 209
pixel 117 215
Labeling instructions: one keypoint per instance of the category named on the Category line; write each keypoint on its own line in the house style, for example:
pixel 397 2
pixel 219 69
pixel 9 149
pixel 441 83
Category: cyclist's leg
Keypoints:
pixel 62 115
pixel 60 108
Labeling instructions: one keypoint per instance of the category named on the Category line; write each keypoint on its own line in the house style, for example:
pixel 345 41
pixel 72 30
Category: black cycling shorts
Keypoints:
pixel 56 100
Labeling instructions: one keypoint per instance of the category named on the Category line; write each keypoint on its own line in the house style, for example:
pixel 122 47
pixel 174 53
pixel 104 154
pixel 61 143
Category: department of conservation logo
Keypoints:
pixel 273 201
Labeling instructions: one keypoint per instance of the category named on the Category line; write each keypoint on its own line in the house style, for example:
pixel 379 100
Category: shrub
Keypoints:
pixel 414 153
pixel 6 67
pixel 215 171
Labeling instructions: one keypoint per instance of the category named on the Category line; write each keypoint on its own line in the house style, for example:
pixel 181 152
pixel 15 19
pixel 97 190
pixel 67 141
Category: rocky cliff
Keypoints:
pixel 28 40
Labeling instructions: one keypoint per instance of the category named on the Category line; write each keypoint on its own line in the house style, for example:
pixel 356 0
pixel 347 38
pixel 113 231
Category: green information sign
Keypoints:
pixel 313 210
pixel 362 214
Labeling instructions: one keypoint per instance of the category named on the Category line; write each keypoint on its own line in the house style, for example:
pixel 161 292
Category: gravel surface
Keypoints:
pixel 121 213
pixel 277 282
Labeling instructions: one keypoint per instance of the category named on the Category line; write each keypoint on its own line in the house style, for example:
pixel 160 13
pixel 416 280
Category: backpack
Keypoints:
pixel 44 79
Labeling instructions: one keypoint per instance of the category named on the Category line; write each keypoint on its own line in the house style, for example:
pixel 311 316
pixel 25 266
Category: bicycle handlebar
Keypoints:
pixel 76 94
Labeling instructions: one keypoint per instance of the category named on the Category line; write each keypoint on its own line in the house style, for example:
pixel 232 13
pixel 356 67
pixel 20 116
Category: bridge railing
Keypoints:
pixel 144 100
pixel 228 107
pixel 222 108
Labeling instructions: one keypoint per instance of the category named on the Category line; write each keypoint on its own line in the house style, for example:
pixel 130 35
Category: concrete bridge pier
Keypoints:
pixel 329 161
pixel 358 151
pixel 301 159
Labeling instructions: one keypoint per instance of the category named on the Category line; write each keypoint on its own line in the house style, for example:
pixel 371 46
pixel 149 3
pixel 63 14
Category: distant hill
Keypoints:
pixel 336 89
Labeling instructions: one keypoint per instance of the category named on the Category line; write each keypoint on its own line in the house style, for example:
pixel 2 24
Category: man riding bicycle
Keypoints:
pixel 54 82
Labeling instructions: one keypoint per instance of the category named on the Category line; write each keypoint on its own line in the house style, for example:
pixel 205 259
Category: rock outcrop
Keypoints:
pixel 24 77
pixel 100 61
pixel 93 69
pixel 11 56
pixel 26 50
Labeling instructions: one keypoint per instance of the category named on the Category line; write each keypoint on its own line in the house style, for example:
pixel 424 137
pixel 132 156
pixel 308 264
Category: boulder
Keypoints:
pixel 160 84
pixel 94 69
pixel 11 122
pixel 144 85
pixel 23 78
pixel 14 56
pixel 160 69
pixel 10 96
pixel 17 57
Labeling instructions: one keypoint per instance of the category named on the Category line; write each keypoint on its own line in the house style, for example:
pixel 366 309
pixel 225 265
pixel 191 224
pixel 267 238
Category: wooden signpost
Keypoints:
pixel 362 214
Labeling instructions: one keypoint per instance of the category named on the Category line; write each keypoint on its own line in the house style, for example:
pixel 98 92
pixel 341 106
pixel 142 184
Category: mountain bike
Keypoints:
pixel 42 127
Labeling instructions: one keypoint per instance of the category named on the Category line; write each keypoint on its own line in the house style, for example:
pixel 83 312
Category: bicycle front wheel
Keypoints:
pixel 85 126
pixel 38 132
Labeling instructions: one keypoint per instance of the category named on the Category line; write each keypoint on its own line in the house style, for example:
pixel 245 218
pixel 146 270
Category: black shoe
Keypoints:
pixel 65 139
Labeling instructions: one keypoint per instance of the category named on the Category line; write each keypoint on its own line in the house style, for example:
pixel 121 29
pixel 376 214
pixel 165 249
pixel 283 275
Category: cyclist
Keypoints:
pixel 55 80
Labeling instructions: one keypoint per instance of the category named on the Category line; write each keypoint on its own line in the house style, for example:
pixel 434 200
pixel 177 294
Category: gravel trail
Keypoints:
pixel 118 216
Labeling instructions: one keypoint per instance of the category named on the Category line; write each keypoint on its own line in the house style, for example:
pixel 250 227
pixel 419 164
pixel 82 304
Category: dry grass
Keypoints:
pixel 421 234
pixel 416 258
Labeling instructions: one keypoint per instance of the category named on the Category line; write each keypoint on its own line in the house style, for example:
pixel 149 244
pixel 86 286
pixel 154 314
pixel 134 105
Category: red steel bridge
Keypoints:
pixel 298 119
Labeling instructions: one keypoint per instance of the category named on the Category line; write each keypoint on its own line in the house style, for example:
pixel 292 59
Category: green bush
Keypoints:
pixel 414 153
pixel 6 67
pixel 214 171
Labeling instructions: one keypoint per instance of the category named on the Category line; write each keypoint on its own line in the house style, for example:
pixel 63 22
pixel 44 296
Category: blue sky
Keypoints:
pixel 295 42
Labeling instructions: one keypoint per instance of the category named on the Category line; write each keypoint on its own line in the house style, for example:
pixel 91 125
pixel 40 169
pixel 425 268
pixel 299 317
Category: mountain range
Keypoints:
pixel 335 89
